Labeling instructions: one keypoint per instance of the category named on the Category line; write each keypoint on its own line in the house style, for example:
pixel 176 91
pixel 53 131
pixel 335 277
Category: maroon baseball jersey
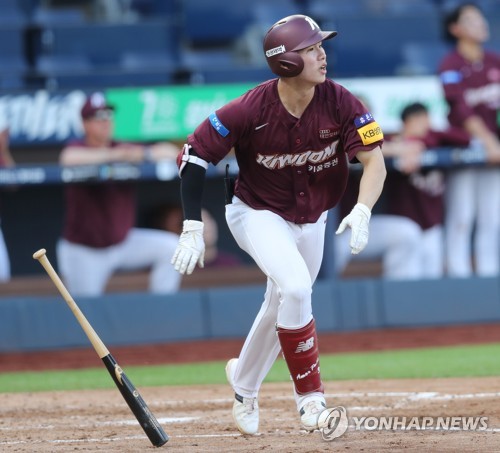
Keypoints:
pixel 419 195
pixel 296 168
pixel 98 215
pixel 472 88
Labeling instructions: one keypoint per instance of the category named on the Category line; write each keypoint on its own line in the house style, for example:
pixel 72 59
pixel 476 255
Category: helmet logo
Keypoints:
pixel 275 51
pixel 312 23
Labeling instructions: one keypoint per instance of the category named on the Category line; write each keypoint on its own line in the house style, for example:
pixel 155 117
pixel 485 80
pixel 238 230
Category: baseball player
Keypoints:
pixel 99 237
pixel 293 137
pixel 470 76
pixel 416 193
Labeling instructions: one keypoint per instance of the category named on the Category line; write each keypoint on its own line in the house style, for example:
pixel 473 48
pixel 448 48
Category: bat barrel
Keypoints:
pixel 136 403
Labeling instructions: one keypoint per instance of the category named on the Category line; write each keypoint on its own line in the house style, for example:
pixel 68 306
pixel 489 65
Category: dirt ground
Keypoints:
pixel 198 418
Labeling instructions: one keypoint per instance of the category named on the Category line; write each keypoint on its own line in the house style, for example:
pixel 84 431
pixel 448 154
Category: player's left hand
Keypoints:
pixel 191 248
pixel 358 220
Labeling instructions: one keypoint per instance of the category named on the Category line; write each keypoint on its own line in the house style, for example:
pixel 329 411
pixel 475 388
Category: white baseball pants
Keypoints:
pixel 396 240
pixel 473 222
pixel 407 252
pixel 86 270
pixel 290 255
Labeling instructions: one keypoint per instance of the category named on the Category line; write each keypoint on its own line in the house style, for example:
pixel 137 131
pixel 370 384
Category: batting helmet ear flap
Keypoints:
pixel 290 64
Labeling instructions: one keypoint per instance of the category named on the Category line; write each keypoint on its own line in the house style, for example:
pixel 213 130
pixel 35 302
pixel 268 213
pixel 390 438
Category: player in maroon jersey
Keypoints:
pixel 470 76
pixel 99 236
pixel 293 137
pixel 416 193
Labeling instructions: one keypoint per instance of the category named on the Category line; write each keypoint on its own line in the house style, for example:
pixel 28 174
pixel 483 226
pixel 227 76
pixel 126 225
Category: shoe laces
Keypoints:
pixel 250 404
pixel 313 407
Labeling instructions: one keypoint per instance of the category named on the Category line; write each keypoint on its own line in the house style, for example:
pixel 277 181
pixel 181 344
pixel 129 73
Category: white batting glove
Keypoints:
pixel 191 248
pixel 358 220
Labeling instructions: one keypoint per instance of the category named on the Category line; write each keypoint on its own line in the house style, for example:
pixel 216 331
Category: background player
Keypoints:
pixel 471 81
pixel 99 237
pixel 418 193
pixel 293 137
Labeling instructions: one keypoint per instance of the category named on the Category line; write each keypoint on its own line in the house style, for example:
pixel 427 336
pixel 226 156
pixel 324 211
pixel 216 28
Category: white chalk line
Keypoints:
pixel 115 439
pixel 108 423
pixel 207 436
pixel 415 395
pixel 410 395
pixel 135 422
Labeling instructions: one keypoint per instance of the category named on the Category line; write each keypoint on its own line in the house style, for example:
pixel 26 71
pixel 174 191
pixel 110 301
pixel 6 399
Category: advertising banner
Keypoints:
pixel 167 112
pixel 149 114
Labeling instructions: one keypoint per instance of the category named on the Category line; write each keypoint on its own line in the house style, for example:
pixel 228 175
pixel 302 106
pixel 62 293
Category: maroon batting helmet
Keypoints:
pixel 286 37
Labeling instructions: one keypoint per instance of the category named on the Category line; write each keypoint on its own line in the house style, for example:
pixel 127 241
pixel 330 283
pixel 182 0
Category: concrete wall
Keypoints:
pixel 30 324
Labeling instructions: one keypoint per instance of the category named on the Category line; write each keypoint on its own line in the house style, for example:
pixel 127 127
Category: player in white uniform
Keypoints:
pixel 293 137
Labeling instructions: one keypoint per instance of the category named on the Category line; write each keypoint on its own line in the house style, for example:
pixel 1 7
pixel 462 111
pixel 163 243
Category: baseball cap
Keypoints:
pixel 95 106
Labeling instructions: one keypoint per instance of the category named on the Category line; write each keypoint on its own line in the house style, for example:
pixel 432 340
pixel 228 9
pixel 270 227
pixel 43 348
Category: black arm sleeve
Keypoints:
pixel 192 184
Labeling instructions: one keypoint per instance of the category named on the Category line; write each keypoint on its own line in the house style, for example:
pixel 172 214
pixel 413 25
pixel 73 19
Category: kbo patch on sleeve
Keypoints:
pixel 217 125
pixel 370 133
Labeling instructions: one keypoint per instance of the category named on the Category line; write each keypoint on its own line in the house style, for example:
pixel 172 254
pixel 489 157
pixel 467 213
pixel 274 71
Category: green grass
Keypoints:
pixel 457 361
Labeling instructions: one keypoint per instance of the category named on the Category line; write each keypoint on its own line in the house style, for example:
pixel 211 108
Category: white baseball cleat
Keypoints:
pixel 245 410
pixel 309 414
pixel 246 414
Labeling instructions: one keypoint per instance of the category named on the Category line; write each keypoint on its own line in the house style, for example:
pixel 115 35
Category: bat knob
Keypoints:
pixel 37 255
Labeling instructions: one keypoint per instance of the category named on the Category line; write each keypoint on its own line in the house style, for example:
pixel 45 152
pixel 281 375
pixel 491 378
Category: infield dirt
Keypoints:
pixel 198 418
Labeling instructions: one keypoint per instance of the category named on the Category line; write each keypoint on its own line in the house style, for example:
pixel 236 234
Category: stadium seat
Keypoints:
pixel 398 7
pixel 57 16
pixel 267 13
pixel 207 24
pixel 206 58
pixel 323 11
pixel 107 79
pixel 13 64
pixel 156 8
pixel 105 45
pixel 147 60
pixel 369 47
pixel 13 72
pixel 50 65
pixel 231 74
pixel 422 58
pixel 12 14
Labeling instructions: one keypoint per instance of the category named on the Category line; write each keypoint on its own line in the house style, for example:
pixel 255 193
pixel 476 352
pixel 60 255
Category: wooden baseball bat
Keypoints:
pixel 137 405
